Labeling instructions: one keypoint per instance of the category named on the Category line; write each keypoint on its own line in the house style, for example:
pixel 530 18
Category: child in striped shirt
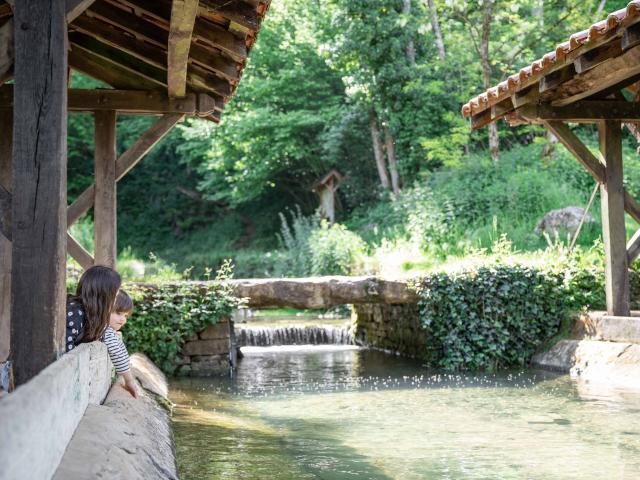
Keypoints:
pixel 117 351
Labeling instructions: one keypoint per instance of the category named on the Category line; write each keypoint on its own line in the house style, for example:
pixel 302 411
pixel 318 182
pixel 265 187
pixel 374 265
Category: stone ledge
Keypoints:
pixel 125 438
pixel 600 326
pixel 38 418
pixel 614 363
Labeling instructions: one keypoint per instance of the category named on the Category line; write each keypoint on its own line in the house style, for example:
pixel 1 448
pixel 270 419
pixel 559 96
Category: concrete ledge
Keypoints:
pixel 614 363
pixel 600 326
pixel 125 438
pixel 38 419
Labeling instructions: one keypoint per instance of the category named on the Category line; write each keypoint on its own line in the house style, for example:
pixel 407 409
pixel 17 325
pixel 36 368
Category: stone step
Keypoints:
pixel 600 326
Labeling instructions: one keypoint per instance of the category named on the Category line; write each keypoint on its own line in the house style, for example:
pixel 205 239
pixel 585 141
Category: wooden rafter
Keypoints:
pixel 235 11
pixel 125 162
pixel 183 16
pixel 205 32
pixel 584 111
pixel 140 49
pixel 78 253
pixel 633 247
pixel 128 101
pixel 158 34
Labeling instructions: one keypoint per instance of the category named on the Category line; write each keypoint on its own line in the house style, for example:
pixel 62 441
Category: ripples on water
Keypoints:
pixel 343 413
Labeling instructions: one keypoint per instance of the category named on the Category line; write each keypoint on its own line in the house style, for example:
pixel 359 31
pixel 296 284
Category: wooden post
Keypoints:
pixel 105 234
pixel 6 129
pixel 39 187
pixel 613 229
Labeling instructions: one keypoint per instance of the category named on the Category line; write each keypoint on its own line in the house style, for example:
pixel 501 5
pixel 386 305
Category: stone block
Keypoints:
pixel 216 332
pixel 40 417
pixel 209 365
pixel 205 347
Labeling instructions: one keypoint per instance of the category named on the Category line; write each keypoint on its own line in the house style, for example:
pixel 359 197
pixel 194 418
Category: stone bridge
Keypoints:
pixel 324 292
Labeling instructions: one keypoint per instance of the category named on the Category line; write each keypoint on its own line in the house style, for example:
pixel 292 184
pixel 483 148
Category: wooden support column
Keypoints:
pixel 105 235
pixel 6 129
pixel 39 187
pixel 613 229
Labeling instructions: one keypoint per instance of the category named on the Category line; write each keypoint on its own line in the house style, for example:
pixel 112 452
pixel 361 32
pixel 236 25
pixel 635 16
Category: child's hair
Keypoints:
pixel 97 290
pixel 123 304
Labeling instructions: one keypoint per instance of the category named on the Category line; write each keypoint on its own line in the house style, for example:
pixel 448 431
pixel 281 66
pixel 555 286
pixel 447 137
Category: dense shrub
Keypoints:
pixel 498 316
pixel 335 250
pixel 309 246
pixel 166 315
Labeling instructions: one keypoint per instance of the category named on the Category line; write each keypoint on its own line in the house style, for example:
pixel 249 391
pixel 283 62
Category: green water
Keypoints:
pixel 343 413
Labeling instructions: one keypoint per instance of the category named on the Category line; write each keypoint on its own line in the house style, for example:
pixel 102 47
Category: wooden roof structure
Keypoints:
pixel 593 77
pixel 190 50
pixel 170 58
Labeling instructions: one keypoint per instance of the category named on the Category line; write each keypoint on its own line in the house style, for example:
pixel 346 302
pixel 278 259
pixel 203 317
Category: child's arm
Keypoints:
pixel 120 359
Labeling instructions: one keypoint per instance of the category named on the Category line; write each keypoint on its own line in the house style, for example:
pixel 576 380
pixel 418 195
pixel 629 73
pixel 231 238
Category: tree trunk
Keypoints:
pixel 538 12
pixel 487 10
pixel 391 157
pixel 600 9
pixel 377 148
pixel 410 49
pixel 435 24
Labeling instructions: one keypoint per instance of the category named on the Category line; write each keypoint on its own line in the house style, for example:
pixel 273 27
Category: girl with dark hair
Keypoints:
pixel 89 312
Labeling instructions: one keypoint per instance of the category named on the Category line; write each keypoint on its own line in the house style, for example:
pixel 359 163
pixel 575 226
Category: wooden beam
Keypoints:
pixel 75 8
pixel 6 140
pixel 38 292
pixel 525 96
pixel 556 78
pixel 126 162
pixel 586 111
pixel 235 11
pixel 113 66
pixel 631 37
pixel 78 253
pixel 633 248
pixel 105 234
pixel 143 51
pixel 609 73
pixel 597 56
pixel 204 31
pixel 122 101
pixel 613 227
pixel 5 212
pixel 183 16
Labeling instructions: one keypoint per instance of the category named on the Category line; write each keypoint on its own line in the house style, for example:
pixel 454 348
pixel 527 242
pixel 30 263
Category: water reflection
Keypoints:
pixel 333 413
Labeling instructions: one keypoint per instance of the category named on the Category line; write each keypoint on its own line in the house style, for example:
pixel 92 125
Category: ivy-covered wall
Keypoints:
pixel 483 318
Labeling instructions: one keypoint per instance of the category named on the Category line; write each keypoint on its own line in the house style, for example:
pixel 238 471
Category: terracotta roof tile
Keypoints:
pixel 540 67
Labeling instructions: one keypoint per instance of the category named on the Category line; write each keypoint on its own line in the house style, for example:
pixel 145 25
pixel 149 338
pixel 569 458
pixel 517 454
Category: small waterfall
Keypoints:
pixel 292 335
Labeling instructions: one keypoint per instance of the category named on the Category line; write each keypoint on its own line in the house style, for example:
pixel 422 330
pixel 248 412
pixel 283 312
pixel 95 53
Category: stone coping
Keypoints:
pixel 125 438
pixel 601 326
pixel 37 419
pixel 615 364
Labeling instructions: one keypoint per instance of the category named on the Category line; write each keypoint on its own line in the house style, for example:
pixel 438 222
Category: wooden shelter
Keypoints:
pixel 594 77
pixel 161 57
pixel 326 189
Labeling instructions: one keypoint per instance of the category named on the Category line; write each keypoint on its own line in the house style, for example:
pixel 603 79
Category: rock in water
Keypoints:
pixel 562 221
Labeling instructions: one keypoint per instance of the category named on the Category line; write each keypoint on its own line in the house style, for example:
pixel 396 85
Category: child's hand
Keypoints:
pixel 130 384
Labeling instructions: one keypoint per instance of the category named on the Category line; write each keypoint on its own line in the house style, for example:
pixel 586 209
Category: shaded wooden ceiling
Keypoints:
pixel 177 47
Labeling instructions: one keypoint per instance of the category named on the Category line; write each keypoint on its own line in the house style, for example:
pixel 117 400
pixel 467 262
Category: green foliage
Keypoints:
pixel 165 315
pixel 310 246
pixel 495 317
pixel 335 250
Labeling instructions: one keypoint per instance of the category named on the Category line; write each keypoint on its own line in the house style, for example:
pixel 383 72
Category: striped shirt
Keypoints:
pixel 75 332
pixel 117 350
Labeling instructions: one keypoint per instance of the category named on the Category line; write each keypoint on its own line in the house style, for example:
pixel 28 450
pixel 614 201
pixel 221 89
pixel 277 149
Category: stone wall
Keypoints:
pixel 207 353
pixel 38 419
pixel 394 328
